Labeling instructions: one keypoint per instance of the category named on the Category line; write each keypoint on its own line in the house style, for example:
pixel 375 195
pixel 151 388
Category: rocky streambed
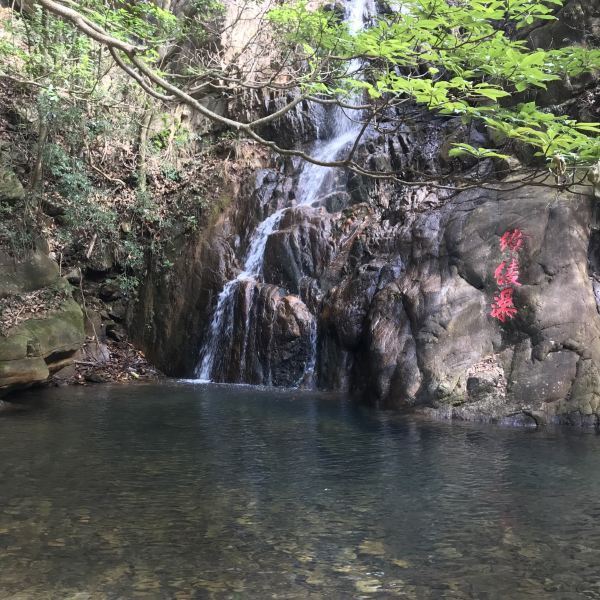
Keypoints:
pixel 186 491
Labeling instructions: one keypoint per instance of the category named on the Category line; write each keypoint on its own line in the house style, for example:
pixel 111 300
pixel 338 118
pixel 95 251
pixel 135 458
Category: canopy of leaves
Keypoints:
pixel 455 58
pixel 465 58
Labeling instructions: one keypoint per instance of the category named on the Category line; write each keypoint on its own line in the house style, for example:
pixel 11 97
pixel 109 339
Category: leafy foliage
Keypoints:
pixel 460 58
pixel 83 123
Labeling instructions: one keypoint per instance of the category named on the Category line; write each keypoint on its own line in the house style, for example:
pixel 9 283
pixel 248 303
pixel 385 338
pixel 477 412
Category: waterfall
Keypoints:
pixel 223 316
pixel 312 183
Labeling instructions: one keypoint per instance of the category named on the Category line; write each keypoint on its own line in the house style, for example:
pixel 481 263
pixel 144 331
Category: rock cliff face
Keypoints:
pixel 37 344
pixel 399 283
pixel 385 291
pixel 408 322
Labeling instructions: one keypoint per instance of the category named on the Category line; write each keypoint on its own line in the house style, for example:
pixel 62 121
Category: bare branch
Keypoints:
pixel 127 57
pixel 88 27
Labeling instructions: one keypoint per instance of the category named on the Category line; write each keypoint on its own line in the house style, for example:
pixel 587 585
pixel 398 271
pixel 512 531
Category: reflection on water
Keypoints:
pixel 179 491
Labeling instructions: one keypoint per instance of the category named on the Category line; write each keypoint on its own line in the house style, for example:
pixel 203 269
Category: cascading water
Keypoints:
pixel 222 319
pixel 312 183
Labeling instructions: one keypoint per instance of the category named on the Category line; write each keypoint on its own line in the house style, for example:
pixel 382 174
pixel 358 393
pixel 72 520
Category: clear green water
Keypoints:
pixel 178 491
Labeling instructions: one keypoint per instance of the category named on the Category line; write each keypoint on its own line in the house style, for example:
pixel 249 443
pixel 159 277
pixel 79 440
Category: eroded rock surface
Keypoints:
pixel 41 342
pixel 398 284
pixel 390 286
pixel 422 335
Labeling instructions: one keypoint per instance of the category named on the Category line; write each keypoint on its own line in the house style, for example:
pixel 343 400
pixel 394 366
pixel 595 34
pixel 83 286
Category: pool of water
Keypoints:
pixel 182 491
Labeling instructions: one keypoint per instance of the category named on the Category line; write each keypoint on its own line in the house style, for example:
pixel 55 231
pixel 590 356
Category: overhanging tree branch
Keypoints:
pixel 88 27
pixel 130 59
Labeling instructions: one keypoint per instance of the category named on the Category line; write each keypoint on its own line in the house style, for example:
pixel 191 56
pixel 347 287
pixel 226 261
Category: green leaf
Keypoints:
pixel 591 127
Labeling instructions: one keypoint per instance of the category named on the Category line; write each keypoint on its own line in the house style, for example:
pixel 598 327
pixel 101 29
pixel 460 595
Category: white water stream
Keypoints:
pixel 312 183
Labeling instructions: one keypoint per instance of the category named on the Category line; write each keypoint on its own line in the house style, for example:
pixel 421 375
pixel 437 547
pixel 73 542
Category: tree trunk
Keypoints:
pixel 143 148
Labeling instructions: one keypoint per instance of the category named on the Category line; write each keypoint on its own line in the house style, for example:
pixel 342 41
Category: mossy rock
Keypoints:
pixel 58 332
pixel 35 272
pixel 37 347
pixel 22 373
pixel 11 189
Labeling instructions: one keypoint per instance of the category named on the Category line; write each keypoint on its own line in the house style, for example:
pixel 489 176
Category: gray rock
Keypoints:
pixel 11 189
pixel 115 332
pixel 110 291
pixel 33 272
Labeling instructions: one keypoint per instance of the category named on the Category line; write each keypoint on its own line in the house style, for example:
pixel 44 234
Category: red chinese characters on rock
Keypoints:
pixel 511 240
pixel 503 307
pixel 507 276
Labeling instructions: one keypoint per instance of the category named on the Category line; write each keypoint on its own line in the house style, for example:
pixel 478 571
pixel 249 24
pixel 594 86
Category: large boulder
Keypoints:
pixel 268 338
pixel 41 340
pixel 11 189
pixel 35 271
pixel 299 249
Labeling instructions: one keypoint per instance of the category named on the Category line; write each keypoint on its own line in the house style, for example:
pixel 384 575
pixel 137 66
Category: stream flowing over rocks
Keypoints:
pixel 317 277
pixel 401 305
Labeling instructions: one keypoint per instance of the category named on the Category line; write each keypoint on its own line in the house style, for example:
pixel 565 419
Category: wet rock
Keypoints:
pixel 335 7
pixel 306 122
pixel 391 348
pixel 300 248
pixel 269 339
pixel 336 201
pixel 294 336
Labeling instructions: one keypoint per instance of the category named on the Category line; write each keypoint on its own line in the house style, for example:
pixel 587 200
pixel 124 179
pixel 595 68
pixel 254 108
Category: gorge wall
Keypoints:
pixel 300 276
pixel 384 290
pixel 398 284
